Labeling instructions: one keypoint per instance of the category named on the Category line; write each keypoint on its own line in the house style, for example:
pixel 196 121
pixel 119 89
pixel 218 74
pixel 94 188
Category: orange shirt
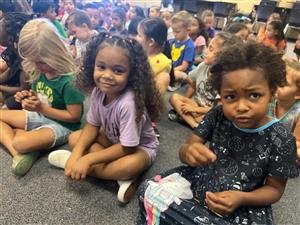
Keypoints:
pixel 279 46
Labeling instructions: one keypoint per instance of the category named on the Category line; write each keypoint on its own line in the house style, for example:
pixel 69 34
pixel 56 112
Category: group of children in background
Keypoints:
pixel 242 98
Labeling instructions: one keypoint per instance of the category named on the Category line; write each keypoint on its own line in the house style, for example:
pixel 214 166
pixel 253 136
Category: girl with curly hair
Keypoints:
pixel 117 141
pixel 250 155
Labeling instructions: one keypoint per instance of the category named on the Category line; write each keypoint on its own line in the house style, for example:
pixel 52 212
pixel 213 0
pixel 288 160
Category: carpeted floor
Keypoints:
pixel 45 196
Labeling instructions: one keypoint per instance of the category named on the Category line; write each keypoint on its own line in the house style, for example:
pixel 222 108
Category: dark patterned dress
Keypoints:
pixel 245 157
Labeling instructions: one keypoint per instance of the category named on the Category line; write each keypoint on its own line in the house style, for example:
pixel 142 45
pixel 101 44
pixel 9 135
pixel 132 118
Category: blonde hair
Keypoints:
pixel 39 41
pixel 183 17
pixel 293 68
pixel 207 13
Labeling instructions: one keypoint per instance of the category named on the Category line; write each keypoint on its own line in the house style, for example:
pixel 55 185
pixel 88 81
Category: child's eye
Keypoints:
pixel 255 95
pixel 100 67
pixel 229 97
pixel 119 70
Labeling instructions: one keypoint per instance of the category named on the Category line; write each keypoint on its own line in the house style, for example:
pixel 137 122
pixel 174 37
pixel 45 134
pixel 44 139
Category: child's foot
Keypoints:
pixel 127 190
pixel 23 162
pixel 174 87
pixel 59 158
pixel 173 115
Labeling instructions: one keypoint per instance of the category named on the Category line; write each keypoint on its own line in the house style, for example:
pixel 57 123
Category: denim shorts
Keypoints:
pixel 36 121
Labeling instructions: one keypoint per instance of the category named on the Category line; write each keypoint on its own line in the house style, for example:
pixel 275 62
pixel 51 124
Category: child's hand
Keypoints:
pixel 79 169
pixel 20 95
pixel 32 103
pixel 71 161
pixel 185 108
pixel 198 154
pixel 223 203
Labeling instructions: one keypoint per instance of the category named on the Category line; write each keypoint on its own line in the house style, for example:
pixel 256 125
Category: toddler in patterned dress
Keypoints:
pixel 250 155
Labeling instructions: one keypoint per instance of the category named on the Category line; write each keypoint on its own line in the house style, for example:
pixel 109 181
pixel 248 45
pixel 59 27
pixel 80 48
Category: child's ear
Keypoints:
pixel 151 42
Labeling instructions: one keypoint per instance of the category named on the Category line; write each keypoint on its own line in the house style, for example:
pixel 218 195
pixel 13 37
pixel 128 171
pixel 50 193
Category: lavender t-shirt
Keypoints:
pixel 117 119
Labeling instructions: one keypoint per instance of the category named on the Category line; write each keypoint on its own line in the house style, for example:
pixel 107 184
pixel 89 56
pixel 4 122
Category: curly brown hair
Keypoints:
pixel 251 55
pixel 140 80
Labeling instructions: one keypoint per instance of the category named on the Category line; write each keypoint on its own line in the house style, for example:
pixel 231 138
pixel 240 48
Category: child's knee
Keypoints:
pixel 73 138
pixel 173 99
pixel 20 144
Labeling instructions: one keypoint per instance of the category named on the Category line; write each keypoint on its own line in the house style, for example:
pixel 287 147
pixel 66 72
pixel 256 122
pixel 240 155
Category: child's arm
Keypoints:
pixel 87 137
pixel 3 65
pixel 188 108
pixel 71 114
pixel 195 153
pixel 189 92
pixel 14 89
pixel 227 201
pixel 82 166
pixel 183 67
pixel 297 136
pixel 4 76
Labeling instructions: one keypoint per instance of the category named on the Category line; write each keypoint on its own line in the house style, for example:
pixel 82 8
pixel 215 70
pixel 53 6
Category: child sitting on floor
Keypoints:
pixel 79 25
pixel 53 108
pixel 250 155
pixel 12 77
pixel 286 106
pixel 199 96
pixel 117 141
pixel 182 47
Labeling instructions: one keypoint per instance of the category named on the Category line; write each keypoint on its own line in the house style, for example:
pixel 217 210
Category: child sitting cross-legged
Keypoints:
pixel 250 156
pixel 118 141
pixel 182 47
pixel 199 96
pixel 52 108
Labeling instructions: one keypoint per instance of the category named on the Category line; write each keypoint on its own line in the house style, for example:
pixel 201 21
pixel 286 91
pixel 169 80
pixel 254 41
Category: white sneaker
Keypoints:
pixel 59 158
pixel 126 190
pixel 175 87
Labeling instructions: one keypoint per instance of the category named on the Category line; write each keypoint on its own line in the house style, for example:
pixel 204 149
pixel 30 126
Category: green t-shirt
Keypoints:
pixel 60 28
pixel 59 93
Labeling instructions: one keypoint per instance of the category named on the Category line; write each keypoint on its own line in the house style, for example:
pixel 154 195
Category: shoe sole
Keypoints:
pixel 127 190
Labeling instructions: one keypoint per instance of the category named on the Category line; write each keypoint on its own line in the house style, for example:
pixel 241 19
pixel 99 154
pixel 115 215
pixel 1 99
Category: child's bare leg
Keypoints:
pixel 179 75
pixel 101 138
pixel 124 168
pixel 9 120
pixel 16 139
pixel 176 101
pixel 162 81
pixel 34 140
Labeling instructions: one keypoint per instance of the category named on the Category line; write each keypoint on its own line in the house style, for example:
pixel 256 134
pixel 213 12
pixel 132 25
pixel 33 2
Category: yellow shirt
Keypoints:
pixel 160 63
